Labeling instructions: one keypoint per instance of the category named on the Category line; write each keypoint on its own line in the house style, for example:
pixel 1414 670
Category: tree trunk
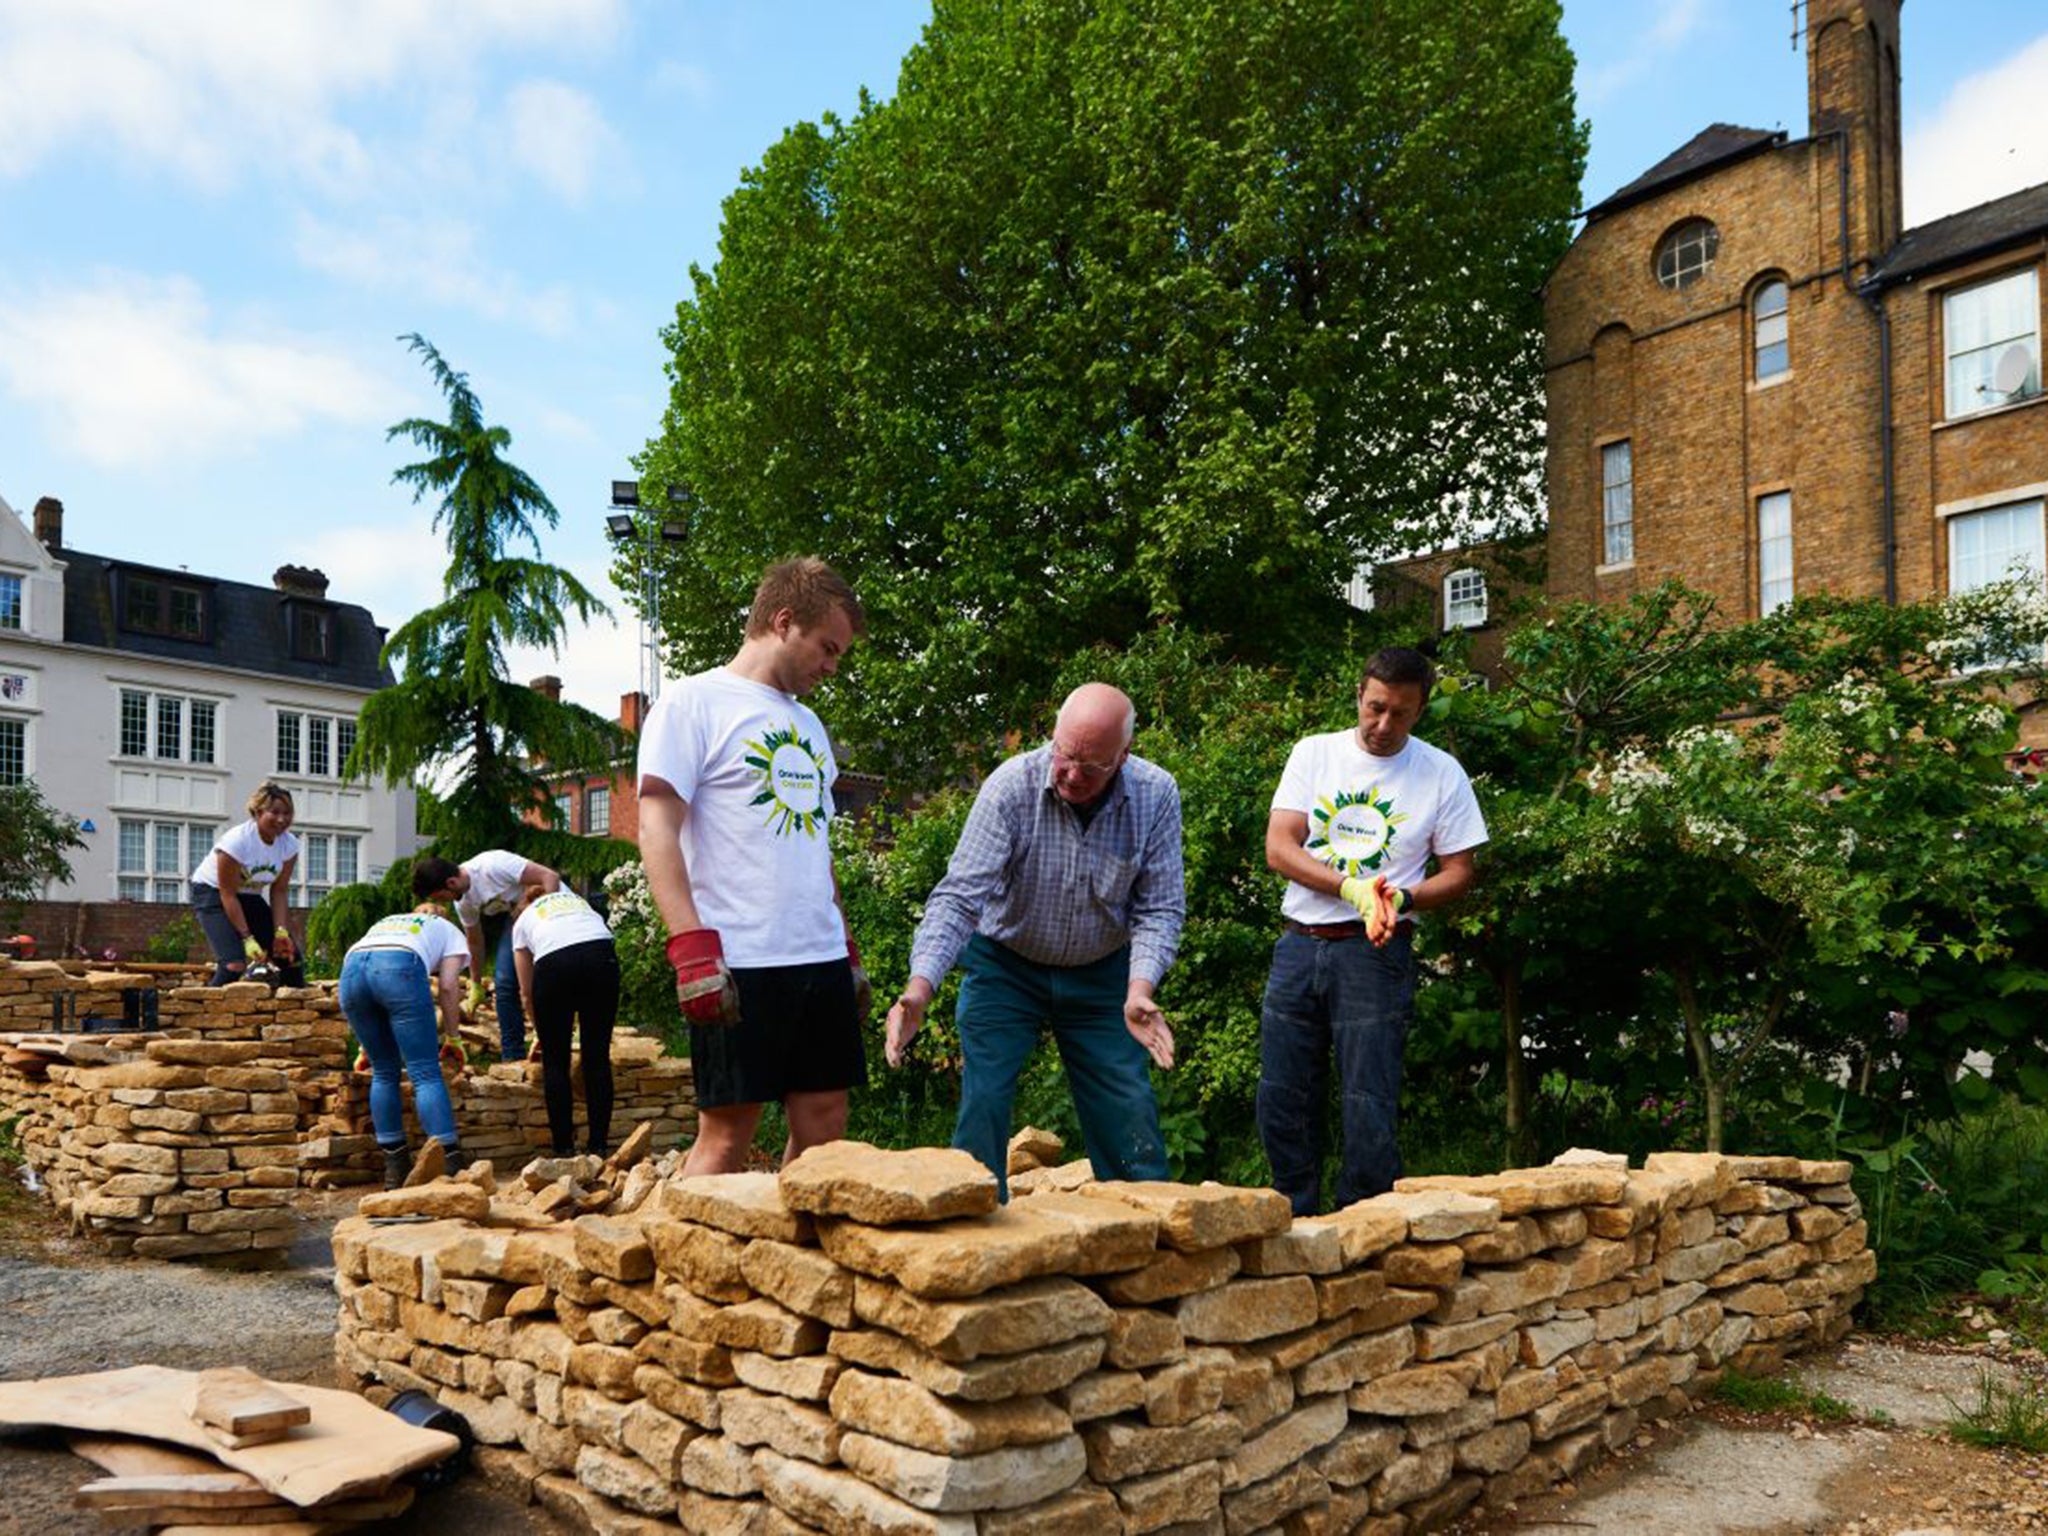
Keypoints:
pixel 1520 1148
pixel 1712 1087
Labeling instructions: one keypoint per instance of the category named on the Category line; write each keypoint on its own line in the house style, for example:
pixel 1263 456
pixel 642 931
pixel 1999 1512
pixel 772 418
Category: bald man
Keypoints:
pixel 1063 902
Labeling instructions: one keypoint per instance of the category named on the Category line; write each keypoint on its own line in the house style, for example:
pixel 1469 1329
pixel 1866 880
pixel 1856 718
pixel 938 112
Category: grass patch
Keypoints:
pixel 2012 1415
pixel 1774 1394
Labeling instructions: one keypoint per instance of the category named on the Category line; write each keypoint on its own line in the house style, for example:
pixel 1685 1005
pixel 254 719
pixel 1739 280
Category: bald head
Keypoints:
pixel 1091 739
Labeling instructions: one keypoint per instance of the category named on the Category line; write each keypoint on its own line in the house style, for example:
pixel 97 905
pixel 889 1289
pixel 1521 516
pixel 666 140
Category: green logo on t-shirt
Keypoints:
pixel 1354 831
pixel 792 775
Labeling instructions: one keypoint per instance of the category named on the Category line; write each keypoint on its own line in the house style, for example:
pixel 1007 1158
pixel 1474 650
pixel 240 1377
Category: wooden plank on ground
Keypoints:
pixel 349 1448
pixel 241 1404
pixel 201 1490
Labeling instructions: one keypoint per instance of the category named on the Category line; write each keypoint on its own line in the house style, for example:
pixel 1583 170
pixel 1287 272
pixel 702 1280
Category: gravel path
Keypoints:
pixel 65 1309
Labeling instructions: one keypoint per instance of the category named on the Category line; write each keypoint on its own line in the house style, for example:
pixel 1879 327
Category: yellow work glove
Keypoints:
pixel 1359 893
pixel 478 996
pixel 252 949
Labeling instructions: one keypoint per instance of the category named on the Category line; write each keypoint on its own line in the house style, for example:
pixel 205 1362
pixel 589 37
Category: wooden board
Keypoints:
pixel 349 1448
pixel 241 1404
pixel 196 1490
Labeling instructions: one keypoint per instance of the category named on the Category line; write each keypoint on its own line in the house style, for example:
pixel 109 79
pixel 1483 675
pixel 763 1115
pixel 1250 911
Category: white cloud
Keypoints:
pixel 1671 23
pixel 557 133
pixel 1984 141
pixel 129 370
pixel 437 259
pixel 598 662
pixel 692 81
pixel 209 91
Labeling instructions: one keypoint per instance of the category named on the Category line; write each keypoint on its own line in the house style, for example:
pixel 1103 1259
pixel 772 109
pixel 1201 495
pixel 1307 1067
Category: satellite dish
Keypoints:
pixel 2009 374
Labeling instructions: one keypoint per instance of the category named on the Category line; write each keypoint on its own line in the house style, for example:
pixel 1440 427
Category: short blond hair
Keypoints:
pixel 809 589
pixel 267 792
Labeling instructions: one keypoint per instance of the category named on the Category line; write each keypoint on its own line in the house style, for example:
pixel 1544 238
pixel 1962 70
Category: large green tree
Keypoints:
pixel 455 718
pixel 34 838
pixel 1121 312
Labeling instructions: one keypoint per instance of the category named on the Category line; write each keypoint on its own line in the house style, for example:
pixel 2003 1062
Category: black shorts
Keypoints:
pixel 796 1034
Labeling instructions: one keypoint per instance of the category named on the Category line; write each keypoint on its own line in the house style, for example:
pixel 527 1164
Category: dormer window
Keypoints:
pixel 1464 600
pixel 156 605
pixel 312 628
pixel 1686 253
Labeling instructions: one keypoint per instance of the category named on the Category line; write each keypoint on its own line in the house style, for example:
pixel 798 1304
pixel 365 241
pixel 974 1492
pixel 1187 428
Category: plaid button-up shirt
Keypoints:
pixel 1030 876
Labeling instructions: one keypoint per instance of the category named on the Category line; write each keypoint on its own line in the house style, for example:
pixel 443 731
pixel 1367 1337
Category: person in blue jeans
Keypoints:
pixel 1357 819
pixel 1064 901
pixel 391 980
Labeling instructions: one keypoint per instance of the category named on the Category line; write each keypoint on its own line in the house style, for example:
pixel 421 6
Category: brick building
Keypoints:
pixel 1762 383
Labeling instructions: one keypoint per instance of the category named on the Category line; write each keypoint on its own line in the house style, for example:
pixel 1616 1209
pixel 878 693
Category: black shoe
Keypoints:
pixel 397 1164
pixel 455 1158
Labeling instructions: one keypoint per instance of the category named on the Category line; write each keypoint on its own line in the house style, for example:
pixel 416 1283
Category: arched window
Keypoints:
pixel 1770 311
pixel 1464 599
pixel 1685 254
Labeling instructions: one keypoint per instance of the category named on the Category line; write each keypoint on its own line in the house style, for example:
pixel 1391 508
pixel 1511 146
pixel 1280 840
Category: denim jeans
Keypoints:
pixel 226 943
pixel 1005 1001
pixel 389 1003
pixel 505 987
pixel 1344 992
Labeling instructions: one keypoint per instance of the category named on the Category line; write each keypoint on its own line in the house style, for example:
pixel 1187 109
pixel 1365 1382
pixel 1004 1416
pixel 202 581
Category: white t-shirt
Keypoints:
pixel 756 769
pixel 261 862
pixel 555 921
pixel 432 938
pixel 494 885
pixel 1373 815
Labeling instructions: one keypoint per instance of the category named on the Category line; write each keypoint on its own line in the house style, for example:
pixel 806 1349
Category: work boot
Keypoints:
pixel 397 1164
pixel 456 1158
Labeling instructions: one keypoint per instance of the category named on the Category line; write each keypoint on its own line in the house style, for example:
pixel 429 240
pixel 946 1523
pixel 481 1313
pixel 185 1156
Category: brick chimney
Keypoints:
pixel 49 523
pixel 299 581
pixel 548 687
pixel 632 711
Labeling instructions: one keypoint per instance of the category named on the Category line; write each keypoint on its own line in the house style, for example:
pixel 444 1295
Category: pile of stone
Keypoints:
pixel 868 1343
pixel 500 1112
pixel 190 1151
pixel 43 994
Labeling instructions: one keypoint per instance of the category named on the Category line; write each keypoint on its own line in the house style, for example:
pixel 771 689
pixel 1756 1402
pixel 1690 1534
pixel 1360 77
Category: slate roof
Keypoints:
pixel 2010 220
pixel 1706 150
pixel 248 626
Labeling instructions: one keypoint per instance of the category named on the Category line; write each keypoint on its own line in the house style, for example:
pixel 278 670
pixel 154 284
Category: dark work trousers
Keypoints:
pixel 497 929
pixel 226 944
pixel 1348 994
pixel 578 985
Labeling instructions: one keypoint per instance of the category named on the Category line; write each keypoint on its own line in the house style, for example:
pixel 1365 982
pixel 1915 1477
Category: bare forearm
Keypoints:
pixel 661 857
pixel 1290 859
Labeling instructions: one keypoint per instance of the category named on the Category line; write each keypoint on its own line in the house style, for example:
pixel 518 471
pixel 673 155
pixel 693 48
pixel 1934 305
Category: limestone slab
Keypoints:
pixel 1002 1479
pixel 1201 1216
pixel 828 1499
pixel 949 1259
pixel 913 1415
pixel 984 1380
pixel 883 1187
pixel 741 1204
pixel 1030 1316
pixel 1245 1310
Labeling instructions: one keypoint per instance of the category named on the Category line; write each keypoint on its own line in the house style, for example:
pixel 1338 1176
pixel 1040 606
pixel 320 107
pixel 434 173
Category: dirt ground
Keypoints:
pixel 66 1309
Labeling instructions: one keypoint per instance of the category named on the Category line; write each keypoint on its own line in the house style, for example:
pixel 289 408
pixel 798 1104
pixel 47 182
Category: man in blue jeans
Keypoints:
pixel 1065 895
pixel 1355 823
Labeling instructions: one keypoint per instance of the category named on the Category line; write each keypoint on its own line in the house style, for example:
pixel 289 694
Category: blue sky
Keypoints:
pixel 216 218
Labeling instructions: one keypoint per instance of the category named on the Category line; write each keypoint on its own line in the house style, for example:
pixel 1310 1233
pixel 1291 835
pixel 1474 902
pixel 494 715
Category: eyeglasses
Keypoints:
pixel 1062 757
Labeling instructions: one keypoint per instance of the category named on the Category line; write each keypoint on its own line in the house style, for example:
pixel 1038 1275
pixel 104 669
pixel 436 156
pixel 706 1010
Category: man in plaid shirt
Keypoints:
pixel 1064 902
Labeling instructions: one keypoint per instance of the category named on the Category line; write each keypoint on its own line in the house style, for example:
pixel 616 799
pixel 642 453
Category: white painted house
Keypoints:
pixel 149 703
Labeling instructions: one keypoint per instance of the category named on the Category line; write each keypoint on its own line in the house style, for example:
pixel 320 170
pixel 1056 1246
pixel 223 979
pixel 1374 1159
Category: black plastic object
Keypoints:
pixel 422 1412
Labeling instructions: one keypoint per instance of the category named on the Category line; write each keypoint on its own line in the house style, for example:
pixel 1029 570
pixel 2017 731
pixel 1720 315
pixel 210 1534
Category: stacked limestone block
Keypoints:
pixel 867 1344
pixel 189 1152
pixel 501 1114
pixel 42 994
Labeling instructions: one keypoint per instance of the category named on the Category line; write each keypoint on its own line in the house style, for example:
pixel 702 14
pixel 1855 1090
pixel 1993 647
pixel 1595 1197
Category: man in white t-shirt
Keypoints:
pixel 735 803
pixel 485 889
pixel 1357 819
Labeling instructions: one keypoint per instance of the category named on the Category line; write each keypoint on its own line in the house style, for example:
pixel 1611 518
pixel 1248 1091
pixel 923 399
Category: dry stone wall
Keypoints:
pixel 869 1344
pixel 193 1142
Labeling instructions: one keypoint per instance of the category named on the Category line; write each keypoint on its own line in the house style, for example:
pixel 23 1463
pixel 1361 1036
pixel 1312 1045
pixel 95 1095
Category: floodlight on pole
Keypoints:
pixel 623 525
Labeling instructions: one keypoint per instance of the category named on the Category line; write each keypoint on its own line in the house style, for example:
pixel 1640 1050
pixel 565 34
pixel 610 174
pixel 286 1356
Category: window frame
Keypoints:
pixel 333 734
pixel 141 737
pixel 138 590
pixel 596 824
pixel 1766 578
pixel 2039 551
pixel 154 858
pixel 1693 230
pixel 1469 620
pixel 2030 388
pixel 320 645
pixel 14 611
pixel 22 770
pixel 1609 524
pixel 1779 321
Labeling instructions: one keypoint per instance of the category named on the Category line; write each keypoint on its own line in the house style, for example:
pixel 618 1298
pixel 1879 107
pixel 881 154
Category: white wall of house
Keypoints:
pixel 159 756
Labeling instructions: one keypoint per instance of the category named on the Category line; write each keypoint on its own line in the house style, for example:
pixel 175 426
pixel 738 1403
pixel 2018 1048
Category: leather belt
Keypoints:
pixel 1325 930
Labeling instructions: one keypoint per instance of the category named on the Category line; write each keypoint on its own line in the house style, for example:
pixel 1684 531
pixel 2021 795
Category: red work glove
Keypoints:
pixel 704 986
pixel 863 991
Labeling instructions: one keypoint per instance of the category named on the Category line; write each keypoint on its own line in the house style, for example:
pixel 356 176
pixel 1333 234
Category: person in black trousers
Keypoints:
pixel 569 975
